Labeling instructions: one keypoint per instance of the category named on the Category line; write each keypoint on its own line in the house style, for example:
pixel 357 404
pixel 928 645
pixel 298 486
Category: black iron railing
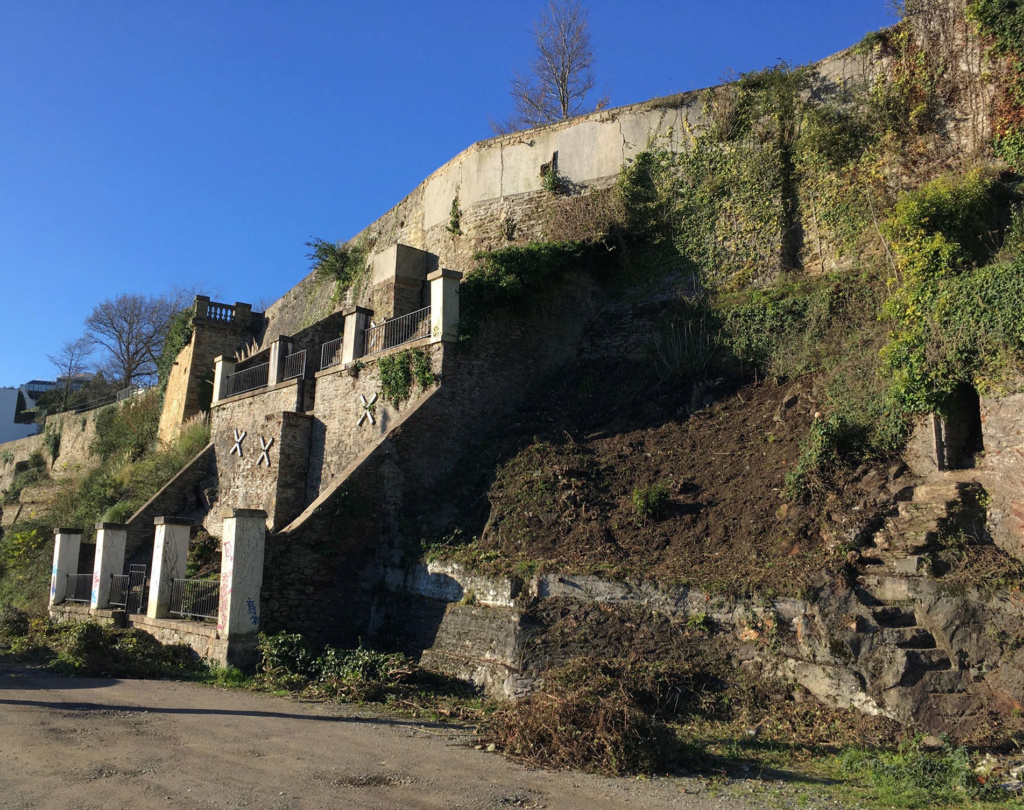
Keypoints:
pixel 294 365
pixel 249 379
pixel 119 590
pixel 330 353
pixel 397 331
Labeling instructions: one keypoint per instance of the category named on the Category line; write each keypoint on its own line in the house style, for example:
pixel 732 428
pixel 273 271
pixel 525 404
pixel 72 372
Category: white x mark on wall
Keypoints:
pixel 367 409
pixel 265 445
pixel 237 449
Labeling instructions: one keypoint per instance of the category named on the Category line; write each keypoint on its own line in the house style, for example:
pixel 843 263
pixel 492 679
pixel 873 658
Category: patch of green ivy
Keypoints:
pixel 397 372
pixel 179 334
pixel 1003 22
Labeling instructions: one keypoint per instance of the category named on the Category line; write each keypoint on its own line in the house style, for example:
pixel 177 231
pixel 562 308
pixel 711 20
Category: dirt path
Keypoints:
pixel 101 743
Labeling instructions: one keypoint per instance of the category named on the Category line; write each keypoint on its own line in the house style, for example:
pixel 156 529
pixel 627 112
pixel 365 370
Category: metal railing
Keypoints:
pixel 397 331
pixel 294 365
pixel 249 379
pixel 130 391
pixel 79 588
pixel 330 353
pixel 195 599
pixel 119 589
pixel 137 597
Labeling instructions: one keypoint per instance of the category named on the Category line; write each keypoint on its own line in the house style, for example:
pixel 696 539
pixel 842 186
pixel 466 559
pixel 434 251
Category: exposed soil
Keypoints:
pixel 559 486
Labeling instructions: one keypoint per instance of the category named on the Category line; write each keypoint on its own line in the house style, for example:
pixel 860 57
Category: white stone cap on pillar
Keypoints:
pixel 232 512
pixel 171 521
pixel 444 273
pixel 113 526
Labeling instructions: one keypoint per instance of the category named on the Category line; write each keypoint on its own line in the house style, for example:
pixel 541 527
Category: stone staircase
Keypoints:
pixel 903 665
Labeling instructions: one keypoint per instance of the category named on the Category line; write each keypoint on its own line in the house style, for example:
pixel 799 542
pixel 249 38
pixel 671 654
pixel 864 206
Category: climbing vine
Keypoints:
pixel 397 372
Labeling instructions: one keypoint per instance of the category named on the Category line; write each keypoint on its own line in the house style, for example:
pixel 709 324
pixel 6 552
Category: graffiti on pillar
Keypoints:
pixel 369 405
pixel 265 445
pixel 251 607
pixel 53 582
pixel 96 587
pixel 239 437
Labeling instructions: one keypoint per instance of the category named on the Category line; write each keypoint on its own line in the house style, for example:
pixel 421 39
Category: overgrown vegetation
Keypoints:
pixel 397 372
pixel 342 263
pixel 134 468
pixel 88 649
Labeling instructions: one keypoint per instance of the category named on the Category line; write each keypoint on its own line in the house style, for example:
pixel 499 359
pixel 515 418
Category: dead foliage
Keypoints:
pixel 601 716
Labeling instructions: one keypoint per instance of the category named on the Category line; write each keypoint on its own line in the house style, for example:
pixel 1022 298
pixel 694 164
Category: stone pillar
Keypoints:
pixel 223 367
pixel 202 306
pixel 241 572
pixel 444 305
pixel 170 554
pixel 279 350
pixel 243 315
pixel 357 319
pixel 66 545
pixel 110 542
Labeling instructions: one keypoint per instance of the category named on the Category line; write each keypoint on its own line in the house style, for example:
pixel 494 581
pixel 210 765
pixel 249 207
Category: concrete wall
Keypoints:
pixel 495 180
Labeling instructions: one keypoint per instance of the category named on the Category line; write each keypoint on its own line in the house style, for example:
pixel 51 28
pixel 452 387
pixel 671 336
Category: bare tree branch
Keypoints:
pixel 560 77
pixel 70 362
pixel 132 328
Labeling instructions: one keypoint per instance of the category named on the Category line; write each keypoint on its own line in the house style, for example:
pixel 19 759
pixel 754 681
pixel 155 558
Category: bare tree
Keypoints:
pixel 560 78
pixel 132 328
pixel 70 362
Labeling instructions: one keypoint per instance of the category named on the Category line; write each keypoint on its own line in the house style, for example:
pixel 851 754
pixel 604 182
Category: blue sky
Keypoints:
pixel 146 144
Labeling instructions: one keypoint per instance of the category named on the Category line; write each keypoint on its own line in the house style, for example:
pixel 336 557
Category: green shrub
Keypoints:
pixel 89 649
pixel 51 438
pixel 129 430
pixel 179 335
pixel 651 502
pixel 344 264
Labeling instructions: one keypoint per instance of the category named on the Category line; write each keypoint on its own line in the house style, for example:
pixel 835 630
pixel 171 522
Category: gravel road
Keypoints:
pixel 86 743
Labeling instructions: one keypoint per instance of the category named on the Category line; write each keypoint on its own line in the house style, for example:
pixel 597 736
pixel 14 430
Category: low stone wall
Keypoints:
pixel 202 638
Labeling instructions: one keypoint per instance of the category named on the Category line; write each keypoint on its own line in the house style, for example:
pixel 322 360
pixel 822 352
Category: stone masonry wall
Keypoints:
pixel 338 437
pixel 247 478
pixel 190 384
pixel 1002 470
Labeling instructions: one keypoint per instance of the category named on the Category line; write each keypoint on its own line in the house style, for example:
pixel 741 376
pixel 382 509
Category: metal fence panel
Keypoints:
pixel 195 599
pixel 249 379
pixel 397 331
pixel 79 588
pixel 294 365
pixel 330 353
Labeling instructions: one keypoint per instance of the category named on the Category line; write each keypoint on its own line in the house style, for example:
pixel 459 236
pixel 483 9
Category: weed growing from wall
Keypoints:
pixel 397 372
pixel 454 226
pixel 343 263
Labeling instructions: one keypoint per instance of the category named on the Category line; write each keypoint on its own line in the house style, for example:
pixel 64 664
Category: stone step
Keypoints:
pixel 949 681
pixel 907 638
pixel 883 589
pixel 913 511
pixel 936 491
pixel 928 660
pixel 894 616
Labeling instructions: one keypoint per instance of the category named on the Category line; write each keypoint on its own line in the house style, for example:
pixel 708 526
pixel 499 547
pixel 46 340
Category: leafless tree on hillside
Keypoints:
pixel 561 77
pixel 132 328
pixel 70 361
